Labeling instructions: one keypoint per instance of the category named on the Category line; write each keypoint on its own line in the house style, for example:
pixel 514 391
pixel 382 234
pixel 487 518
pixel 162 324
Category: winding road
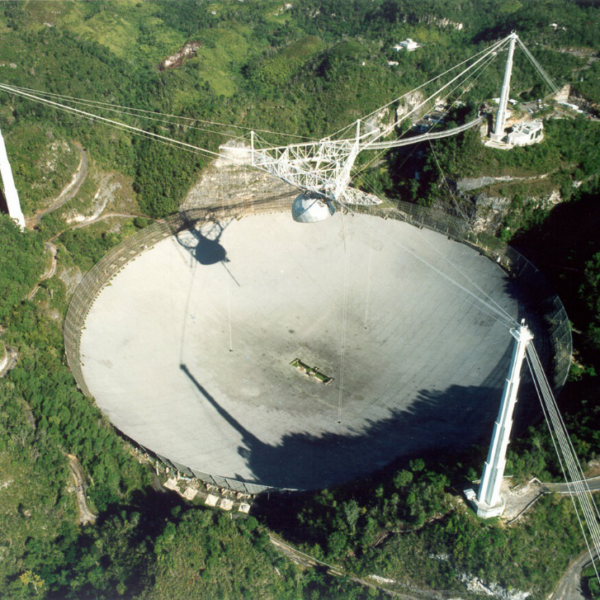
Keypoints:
pixel 306 561
pixel 569 587
pixel 85 514
pixel 68 192
pixel 49 273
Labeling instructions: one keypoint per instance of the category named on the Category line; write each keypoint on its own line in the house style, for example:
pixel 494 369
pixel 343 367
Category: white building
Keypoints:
pixel 407 44
pixel 525 134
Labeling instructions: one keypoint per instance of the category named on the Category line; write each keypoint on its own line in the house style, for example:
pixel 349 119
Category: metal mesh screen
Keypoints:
pixel 542 298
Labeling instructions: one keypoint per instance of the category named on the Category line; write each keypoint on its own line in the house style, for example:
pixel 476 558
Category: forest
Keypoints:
pixel 306 68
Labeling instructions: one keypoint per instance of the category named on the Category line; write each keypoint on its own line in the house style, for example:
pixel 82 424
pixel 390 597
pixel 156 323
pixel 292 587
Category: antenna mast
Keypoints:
pixel 505 93
pixel 488 501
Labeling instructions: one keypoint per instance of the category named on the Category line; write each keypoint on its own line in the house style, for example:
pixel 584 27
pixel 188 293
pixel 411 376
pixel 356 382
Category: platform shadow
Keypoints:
pixel 205 245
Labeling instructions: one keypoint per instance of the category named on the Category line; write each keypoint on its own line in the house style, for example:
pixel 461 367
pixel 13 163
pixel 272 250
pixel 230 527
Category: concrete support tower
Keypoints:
pixel 505 93
pixel 488 501
pixel 10 191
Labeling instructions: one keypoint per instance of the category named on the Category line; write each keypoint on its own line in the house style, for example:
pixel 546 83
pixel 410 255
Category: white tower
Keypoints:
pixel 10 191
pixel 505 93
pixel 488 501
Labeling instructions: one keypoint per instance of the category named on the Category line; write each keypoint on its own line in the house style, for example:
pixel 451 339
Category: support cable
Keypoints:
pixel 549 82
pixel 445 180
pixel 113 122
pixel 500 316
pixel 480 69
pixel 510 318
pixel 143 115
pixel 446 85
pixel 576 482
pixel 344 323
pixel 149 112
pixel 369 261
pixel 485 50
pixel 468 224
pixel 579 478
pixel 172 143
pixel 496 312
pixel 399 142
pixel 505 319
pixel 555 443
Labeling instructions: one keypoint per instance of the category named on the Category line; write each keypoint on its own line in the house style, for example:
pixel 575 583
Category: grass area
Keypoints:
pixel 278 69
pixel 52 12
pixel 222 54
pixel 131 30
pixel 531 188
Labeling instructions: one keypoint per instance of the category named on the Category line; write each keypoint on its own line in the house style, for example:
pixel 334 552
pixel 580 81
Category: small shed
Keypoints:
pixel 407 44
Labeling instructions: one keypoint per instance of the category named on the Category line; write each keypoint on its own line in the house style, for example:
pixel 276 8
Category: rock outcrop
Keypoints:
pixel 489 210
pixel 230 180
pixel 177 59
pixel 409 103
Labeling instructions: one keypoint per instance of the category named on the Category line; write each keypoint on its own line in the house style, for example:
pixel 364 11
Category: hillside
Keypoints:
pixel 306 69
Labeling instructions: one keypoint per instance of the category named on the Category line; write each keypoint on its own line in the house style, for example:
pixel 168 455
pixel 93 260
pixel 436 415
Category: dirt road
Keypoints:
pixel 49 273
pixel 68 192
pixel 569 587
pixel 305 561
pixel 85 514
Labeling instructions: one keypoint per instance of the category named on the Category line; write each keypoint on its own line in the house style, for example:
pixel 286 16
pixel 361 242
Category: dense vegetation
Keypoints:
pixel 408 527
pixel 307 70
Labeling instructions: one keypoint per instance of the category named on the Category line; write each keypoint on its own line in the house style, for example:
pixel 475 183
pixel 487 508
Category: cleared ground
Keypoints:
pixel 188 350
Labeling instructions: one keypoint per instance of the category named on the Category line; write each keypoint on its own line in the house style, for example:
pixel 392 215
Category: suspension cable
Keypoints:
pixel 137 114
pixel 113 122
pixel 344 323
pixel 555 443
pixel 481 70
pixel 151 112
pixel 577 484
pixel 446 85
pixel 485 50
pixel 549 82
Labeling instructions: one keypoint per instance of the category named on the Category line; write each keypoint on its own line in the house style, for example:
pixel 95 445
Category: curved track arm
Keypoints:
pixel 426 136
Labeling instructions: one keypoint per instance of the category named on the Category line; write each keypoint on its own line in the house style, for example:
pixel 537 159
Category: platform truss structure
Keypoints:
pixel 323 168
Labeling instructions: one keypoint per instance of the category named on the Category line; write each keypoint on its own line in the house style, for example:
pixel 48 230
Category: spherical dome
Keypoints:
pixel 309 207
